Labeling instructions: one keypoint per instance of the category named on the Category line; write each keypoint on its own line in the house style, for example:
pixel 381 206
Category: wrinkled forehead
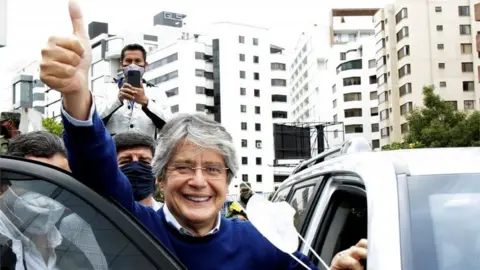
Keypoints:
pixel 190 152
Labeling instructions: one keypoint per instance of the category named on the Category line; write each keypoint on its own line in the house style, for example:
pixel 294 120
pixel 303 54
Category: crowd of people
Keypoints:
pixel 109 145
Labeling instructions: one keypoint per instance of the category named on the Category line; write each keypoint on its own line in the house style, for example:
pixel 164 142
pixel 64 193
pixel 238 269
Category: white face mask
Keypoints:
pixel 133 67
pixel 40 211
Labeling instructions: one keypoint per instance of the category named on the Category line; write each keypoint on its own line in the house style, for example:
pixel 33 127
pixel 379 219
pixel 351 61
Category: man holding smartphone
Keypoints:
pixel 130 103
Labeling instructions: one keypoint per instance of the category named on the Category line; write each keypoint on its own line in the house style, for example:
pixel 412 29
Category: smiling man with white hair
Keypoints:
pixel 195 161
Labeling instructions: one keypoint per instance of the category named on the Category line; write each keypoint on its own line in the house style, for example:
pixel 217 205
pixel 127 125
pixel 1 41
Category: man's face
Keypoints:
pixel 141 154
pixel 134 57
pixel 196 198
pixel 57 160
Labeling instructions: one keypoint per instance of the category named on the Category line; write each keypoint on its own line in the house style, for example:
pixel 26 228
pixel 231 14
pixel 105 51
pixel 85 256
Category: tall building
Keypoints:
pixel 316 86
pixel 355 104
pixel 420 43
pixel 3 23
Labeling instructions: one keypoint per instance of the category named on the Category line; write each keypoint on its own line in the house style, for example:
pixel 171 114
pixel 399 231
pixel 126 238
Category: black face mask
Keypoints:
pixel 141 178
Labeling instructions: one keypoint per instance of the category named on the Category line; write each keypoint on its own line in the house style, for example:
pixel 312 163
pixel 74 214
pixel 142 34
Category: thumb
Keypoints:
pixel 76 17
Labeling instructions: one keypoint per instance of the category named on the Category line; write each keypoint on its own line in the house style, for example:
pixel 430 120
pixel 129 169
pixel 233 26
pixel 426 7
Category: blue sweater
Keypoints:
pixel 237 245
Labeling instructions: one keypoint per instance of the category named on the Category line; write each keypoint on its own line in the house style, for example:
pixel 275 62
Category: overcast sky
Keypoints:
pixel 30 22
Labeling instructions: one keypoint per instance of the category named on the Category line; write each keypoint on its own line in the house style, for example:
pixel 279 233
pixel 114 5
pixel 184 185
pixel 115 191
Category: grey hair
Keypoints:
pixel 200 130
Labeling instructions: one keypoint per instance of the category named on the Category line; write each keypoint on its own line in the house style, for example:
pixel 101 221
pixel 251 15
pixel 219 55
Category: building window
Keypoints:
pixel 258 144
pixel 382 97
pixel 282 98
pixel 373 95
pixel 466 48
pixel 278 66
pixel 169 59
pixel 243 108
pixel 465 29
pixel 375 127
pixel 372 63
pixel 259 178
pixel 405 89
pixel 438 9
pixel 256 93
pixel 440 46
pixel 374 111
pixel 404 51
pixel 402 14
pixel 245 177
pixel 172 92
pixel 405 108
pixel 353 113
pixel 354 64
pixel 255 41
pixel 164 78
pixel 463 11
pixel 439 28
pixel 375 144
pixel 244 160
pixel 441 65
pixel 242 74
pixel 443 84
pixel 384 115
pixel 405 70
pixel 256 76
pixel 278 82
pixel 403 33
pixel 257 110
pixel 243 126
pixel 244 143
pixel 343 56
pixel 469 104
pixel 199 55
pixel 353 129
pixel 352 97
pixel 199 72
pixel 373 79
pixel 241 57
pixel 241 39
pixel 243 91
pixel 258 127
pixel 334 103
pixel 352 81
pixel 200 107
pixel 258 161
pixel 174 108
pixel 404 128
pixel 256 59
pixel 334 88
pixel 335 118
pixel 452 103
pixel 199 90
pixel 468 86
pixel 467 67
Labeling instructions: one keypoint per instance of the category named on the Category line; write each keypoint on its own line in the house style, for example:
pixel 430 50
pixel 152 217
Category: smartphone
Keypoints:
pixel 134 78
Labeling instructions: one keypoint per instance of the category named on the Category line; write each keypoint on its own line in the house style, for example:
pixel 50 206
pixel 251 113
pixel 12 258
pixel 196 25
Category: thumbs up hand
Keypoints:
pixel 66 60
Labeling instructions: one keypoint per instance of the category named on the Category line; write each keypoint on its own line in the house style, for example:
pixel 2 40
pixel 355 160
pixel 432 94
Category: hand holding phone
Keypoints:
pixel 134 78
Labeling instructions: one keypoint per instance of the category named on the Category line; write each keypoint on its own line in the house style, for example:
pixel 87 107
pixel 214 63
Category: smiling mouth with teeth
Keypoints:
pixel 197 198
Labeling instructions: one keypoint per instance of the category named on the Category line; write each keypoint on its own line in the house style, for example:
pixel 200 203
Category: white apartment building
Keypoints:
pixel 354 90
pixel 312 73
pixel 420 43
pixel 3 23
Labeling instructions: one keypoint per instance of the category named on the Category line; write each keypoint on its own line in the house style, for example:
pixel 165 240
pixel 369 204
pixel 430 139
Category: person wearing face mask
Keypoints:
pixel 134 155
pixel 123 107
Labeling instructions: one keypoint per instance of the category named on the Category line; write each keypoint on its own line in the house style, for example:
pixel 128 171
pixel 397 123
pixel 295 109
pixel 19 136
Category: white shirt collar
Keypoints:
pixel 172 221
pixel 156 205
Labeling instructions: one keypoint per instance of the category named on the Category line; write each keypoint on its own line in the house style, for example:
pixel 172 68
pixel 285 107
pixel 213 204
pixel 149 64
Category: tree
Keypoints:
pixel 159 194
pixel 53 126
pixel 439 124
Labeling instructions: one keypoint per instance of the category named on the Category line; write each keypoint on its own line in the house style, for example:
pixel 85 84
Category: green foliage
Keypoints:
pixel 439 124
pixel 159 194
pixel 53 126
pixel 3 146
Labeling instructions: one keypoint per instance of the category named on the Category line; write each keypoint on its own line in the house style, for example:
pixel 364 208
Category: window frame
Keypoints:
pixel 146 243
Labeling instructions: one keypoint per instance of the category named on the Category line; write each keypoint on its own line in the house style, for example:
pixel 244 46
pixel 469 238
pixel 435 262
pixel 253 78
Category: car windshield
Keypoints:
pixel 444 224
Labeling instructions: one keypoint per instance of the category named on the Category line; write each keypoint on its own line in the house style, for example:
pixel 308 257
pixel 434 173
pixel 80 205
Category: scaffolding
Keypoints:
pixel 303 140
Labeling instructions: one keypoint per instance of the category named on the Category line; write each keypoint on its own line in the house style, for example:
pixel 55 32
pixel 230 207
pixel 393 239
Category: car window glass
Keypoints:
pixel 282 194
pixel 43 225
pixel 344 224
pixel 300 200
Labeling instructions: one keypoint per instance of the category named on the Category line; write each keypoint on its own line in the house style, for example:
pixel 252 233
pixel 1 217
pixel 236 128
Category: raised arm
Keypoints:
pixel 92 156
